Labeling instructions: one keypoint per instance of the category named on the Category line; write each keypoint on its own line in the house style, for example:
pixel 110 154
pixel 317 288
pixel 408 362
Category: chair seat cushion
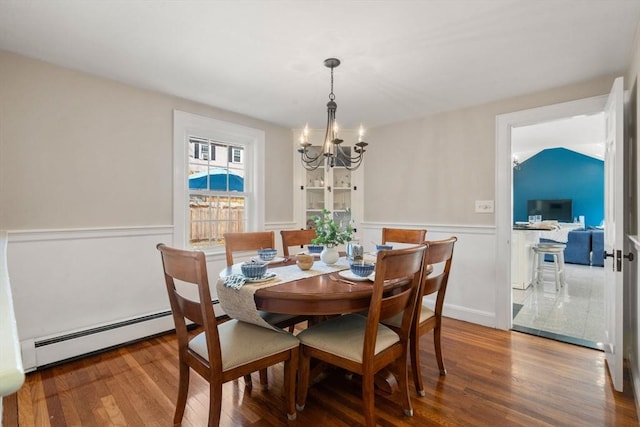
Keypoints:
pixel 241 343
pixel 396 321
pixel 344 336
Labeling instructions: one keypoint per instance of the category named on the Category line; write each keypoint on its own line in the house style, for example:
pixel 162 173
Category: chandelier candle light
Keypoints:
pixel 332 153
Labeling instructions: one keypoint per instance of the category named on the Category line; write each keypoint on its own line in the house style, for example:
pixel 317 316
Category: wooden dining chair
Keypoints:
pixel 236 242
pixel 296 238
pixel 254 240
pixel 247 241
pixel 439 259
pixel 403 235
pixel 360 344
pixel 221 352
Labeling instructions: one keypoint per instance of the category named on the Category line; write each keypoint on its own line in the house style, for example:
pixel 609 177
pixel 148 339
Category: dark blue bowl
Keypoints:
pixel 253 270
pixel 315 249
pixel 362 269
pixel 267 254
pixel 383 247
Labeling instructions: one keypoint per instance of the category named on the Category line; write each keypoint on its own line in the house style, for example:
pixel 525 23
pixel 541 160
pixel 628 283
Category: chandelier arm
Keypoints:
pixel 358 156
pixel 308 158
pixel 354 166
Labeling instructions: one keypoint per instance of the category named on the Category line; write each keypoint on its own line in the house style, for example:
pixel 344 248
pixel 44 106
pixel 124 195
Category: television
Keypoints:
pixel 560 210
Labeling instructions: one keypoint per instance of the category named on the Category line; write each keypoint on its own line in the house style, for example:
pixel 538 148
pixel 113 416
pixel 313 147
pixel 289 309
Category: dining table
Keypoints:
pixel 323 290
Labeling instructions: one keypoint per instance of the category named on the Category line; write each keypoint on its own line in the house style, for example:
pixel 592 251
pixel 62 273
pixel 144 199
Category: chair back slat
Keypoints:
pixel 235 242
pixel 395 303
pixel 296 238
pixel 403 235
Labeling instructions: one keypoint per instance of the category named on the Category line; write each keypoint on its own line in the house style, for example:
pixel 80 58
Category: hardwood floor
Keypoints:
pixel 494 377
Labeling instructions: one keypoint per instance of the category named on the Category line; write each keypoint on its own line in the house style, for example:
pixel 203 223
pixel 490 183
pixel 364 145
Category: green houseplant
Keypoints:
pixel 331 233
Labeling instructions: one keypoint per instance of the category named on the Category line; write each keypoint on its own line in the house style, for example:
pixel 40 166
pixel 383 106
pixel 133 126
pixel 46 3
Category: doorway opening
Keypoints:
pixel 558 199
pixel 513 302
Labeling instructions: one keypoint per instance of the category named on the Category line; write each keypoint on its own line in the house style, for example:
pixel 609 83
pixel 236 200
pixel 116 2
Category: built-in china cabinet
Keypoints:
pixel 336 189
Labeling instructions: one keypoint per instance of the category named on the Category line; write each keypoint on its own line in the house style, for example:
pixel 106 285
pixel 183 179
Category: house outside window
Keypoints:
pixel 218 169
pixel 235 155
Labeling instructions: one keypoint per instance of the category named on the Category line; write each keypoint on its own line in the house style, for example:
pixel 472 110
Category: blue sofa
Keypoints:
pixel 597 248
pixel 583 247
pixel 578 249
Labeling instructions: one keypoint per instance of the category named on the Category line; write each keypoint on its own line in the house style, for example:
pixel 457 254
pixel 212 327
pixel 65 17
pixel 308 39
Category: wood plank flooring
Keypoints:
pixel 495 378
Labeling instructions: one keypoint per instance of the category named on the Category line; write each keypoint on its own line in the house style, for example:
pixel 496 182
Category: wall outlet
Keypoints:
pixel 484 206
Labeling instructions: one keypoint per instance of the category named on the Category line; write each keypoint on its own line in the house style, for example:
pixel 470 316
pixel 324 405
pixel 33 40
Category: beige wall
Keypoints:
pixel 432 169
pixel 78 151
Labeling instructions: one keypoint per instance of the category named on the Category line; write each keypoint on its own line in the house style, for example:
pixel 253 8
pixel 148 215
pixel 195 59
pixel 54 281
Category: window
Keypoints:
pixel 201 149
pixel 235 155
pixel 211 196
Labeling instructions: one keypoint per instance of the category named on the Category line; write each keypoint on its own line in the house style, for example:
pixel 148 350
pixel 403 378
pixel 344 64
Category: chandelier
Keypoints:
pixel 332 153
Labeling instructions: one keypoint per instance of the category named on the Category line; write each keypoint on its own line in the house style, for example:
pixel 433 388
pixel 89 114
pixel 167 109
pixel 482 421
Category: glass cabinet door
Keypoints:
pixel 315 183
pixel 332 188
pixel 341 189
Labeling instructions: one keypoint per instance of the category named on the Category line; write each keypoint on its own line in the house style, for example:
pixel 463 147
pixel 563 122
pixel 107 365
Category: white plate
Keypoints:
pixel 275 260
pixel 348 274
pixel 267 276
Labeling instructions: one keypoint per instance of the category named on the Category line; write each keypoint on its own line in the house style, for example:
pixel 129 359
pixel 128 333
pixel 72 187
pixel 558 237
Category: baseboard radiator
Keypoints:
pixel 48 351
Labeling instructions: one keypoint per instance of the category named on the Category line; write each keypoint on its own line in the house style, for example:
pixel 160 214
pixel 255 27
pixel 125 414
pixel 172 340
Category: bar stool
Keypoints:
pixel 556 250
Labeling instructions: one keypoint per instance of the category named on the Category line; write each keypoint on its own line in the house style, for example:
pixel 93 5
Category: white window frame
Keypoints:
pixel 252 140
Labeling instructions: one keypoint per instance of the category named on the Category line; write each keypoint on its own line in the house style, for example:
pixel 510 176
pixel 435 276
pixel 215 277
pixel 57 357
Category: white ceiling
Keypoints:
pixel 583 134
pixel 400 59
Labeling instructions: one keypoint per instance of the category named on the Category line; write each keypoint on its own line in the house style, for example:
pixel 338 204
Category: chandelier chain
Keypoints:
pixel 332 97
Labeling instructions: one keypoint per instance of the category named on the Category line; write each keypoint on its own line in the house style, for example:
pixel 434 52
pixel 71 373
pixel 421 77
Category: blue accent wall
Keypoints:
pixel 559 173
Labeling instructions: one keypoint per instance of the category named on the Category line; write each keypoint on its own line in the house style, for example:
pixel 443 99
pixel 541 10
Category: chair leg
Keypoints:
pixel 247 382
pixel 540 273
pixel 534 269
pixel 264 379
pixel 561 260
pixel 368 396
pixel 290 368
pixel 414 350
pixel 403 379
pixel 215 402
pixel 436 342
pixel 303 380
pixel 183 390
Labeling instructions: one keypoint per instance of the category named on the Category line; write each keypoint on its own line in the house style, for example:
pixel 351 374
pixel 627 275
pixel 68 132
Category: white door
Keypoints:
pixel 614 192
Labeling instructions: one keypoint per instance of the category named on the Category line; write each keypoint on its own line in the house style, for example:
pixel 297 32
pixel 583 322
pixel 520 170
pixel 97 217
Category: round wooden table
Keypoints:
pixel 325 294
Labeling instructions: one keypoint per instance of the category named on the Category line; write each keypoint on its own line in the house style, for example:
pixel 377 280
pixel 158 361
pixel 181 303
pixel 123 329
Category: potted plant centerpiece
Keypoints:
pixel 331 233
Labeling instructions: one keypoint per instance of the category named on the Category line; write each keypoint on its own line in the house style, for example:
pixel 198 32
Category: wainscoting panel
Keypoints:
pixel 71 285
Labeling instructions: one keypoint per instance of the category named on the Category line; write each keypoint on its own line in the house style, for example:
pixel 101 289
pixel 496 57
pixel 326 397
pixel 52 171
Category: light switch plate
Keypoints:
pixel 484 206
